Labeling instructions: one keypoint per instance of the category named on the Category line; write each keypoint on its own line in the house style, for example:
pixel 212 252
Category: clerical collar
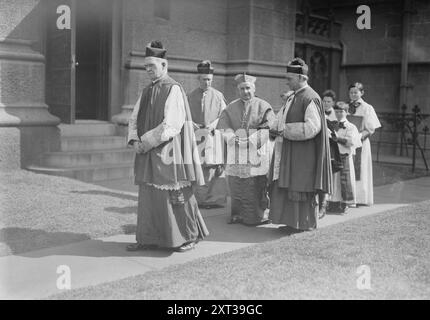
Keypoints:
pixel 342 124
pixel 247 101
pixel 158 79
pixel 358 102
pixel 203 91
pixel 302 88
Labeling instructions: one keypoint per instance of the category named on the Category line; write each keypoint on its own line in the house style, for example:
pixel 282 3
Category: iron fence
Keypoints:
pixel 405 133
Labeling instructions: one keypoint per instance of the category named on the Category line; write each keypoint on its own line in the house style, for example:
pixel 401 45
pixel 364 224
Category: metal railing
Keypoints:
pixel 405 132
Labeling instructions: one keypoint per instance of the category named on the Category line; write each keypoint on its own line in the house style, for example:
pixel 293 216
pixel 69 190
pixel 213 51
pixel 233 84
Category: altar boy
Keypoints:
pixel 348 139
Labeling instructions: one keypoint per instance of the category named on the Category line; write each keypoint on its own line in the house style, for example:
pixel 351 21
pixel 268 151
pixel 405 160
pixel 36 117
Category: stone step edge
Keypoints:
pixel 92 137
pixel 83 152
pixel 92 167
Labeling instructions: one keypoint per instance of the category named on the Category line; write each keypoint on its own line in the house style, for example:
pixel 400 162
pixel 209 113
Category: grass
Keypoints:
pixel 384 173
pixel 39 211
pixel 317 265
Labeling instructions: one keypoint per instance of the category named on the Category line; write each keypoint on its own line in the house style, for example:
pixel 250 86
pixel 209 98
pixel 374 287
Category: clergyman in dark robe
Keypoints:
pixel 300 167
pixel 167 162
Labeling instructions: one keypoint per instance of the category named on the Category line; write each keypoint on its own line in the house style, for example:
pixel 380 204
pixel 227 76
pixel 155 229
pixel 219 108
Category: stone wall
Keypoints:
pixel 242 35
pixel 190 32
pixel 26 127
pixel 419 53
pixel 373 57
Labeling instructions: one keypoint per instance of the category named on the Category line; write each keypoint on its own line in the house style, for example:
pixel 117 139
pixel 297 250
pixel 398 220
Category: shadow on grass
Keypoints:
pixel 108 193
pixel 19 240
pixel 99 249
pixel 122 210
pixel 29 243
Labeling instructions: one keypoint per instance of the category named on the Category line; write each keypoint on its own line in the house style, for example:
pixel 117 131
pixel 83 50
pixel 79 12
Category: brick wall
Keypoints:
pixel 235 35
pixel 373 57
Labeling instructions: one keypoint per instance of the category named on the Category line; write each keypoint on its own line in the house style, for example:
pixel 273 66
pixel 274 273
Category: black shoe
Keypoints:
pixel 211 206
pixel 362 205
pixel 268 221
pixel 205 206
pixel 322 212
pixel 343 208
pixel 186 247
pixel 308 229
pixel 333 207
pixel 322 208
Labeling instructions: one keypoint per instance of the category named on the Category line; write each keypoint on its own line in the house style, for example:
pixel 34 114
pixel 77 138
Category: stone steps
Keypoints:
pixel 90 150
pixel 87 128
pixel 89 173
pixel 86 158
pixel 90 143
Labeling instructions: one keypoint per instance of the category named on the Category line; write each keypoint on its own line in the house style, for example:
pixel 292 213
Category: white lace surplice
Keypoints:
pixel 370 124
pixel 259 159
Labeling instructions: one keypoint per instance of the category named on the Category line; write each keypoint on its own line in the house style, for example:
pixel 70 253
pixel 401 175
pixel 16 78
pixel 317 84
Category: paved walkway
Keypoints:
pixel 34 274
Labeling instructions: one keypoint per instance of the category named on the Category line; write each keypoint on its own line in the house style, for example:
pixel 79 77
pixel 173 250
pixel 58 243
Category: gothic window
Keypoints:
pixel 319 71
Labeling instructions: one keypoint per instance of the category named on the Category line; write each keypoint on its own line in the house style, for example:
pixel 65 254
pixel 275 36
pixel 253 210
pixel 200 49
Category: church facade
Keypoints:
pixel 70 62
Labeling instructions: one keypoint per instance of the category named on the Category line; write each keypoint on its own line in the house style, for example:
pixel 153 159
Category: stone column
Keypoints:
pixel 131 79
pixel 27 129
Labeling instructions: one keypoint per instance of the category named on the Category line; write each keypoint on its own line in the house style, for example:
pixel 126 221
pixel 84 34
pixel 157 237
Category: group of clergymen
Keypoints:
pixel 286 168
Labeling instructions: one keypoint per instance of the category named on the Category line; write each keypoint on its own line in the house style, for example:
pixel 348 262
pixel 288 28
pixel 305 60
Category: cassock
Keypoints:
pixel 363 115
pixel 248 160
pixel 344 189
pixel 168 214
pixel 206 107
pixel 300 167
pixel 336 161
pixel 332 126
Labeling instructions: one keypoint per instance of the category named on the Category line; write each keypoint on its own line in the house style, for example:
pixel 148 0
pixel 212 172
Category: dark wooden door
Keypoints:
pixel 319 68
pixel 60 63
pixel 318 60
pixel 92 53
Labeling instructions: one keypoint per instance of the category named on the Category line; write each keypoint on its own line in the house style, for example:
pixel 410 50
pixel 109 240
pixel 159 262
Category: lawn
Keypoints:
pixel 384 173
pixel 316 265
pixel 39 211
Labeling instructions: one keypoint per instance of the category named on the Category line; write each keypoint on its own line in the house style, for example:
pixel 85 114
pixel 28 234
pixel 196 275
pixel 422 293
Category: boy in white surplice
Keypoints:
pixel 348 139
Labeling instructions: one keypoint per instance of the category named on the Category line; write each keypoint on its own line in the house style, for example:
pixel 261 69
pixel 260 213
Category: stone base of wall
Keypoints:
pixel 27 129
pixel 21 146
